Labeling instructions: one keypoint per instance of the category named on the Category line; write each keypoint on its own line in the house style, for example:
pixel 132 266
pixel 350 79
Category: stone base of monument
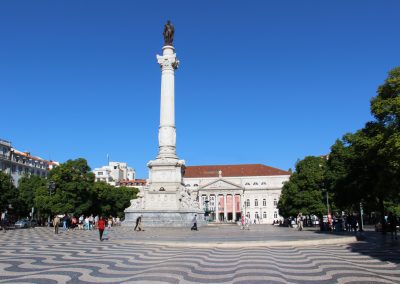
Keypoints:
pixel 164 218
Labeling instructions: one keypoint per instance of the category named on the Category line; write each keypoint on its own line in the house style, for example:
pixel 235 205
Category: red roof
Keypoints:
pixel 233 171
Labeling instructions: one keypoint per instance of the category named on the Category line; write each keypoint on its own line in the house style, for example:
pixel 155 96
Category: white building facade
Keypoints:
pixel 114 173
pixel 17 163
pixel 228 192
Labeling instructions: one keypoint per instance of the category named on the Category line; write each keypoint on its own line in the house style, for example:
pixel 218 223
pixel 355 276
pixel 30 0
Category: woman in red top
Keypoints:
pixel 101 225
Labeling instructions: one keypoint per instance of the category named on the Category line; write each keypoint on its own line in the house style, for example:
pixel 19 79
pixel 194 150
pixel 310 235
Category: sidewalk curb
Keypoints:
pixel 243 244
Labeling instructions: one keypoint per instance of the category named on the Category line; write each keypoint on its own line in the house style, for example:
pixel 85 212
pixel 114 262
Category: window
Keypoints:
pixel 264 202
pixel 195 184
pixel 264 215
pixel 256 183
pixel 115 167
pixel 257 215
pixel 248 215
pixel 100 173
pixel 247 183
pixel 275 202
pixel 263 183
pixel 275 214
pixel 248 203
pixel 188 185
pixel 256 202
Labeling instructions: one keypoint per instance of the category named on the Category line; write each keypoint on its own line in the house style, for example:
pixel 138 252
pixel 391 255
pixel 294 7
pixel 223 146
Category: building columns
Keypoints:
pixel 234 208
pixel 216 207
pixel 225 209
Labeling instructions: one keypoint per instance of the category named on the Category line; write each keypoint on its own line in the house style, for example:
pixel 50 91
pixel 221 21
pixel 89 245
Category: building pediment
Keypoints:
pixel 221 184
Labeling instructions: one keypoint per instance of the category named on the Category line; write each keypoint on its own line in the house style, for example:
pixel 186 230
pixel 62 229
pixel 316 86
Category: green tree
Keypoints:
pixel 365 165
pixel 73 188
pixel 7 191
pixel 385 107
pixel 304 190
pixel 112 200
pixel 29 189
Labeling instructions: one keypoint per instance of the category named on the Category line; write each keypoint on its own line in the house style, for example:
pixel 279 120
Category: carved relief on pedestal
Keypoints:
pixel 139 202
pixel 188 201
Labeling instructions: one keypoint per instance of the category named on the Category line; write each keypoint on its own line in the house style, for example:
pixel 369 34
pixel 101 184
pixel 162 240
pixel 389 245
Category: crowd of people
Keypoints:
pixel 82 222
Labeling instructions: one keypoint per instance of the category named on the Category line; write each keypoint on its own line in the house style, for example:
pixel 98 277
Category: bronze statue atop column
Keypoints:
pixel 168 33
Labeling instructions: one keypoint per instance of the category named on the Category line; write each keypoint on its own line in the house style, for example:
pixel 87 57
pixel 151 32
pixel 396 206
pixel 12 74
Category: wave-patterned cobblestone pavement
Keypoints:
pixel 39 256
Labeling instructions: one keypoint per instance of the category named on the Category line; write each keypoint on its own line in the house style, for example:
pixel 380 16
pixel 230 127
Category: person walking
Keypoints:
pixel 101 225
pixel 300 222
pixel 194 227
pixel 242 223
pixel 392 220
pixel 56 224
pixel 138 224
pixel 247 223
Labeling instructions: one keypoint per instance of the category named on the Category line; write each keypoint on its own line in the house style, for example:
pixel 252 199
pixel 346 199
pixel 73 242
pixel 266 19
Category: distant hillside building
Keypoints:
pixel 230 191
pixel 18 164
pixel 114 173
pixel 137 183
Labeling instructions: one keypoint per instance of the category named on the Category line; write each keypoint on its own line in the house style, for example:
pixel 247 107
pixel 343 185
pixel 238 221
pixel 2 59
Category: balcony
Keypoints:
pixel 5 156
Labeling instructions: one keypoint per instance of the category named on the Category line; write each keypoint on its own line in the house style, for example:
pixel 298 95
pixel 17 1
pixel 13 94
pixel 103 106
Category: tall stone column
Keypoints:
pixel 167 131
pixel 165 202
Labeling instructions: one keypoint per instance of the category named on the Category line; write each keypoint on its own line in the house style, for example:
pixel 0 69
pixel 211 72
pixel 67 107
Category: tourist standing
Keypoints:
pixel 56 224
pixel 392 224
pixel 247 222
pixel 300 222
pixel 194 221
pixel 101 224
pixel 110 222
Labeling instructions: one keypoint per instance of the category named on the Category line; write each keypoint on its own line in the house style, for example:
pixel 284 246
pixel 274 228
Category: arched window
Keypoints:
pixel 264 202
pixel 256 202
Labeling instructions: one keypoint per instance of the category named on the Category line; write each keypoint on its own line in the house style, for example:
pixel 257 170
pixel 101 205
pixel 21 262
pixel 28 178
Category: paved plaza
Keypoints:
pixel 216 254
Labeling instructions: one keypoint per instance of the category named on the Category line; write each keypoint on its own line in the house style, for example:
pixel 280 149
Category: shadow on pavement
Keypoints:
pixel 373 244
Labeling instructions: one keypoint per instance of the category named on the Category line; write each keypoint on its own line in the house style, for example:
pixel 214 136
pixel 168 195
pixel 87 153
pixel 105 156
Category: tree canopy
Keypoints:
pixel 75 191
pixel 304 192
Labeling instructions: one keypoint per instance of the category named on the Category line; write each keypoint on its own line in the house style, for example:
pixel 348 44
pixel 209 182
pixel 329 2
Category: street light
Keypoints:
pixel 51 187
pixel 206 211
pixel 327 206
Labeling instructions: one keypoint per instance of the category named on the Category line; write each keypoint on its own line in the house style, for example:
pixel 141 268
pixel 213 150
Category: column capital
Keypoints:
pixel 168 61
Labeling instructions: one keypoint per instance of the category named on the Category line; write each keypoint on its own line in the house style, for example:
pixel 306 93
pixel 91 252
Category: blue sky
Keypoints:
pixel 259 81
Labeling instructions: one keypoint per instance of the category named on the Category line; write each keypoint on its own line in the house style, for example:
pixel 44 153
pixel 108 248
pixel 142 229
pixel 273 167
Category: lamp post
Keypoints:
pixel 361 217
pixel 51 187
pixel 327 206
pixel 206 209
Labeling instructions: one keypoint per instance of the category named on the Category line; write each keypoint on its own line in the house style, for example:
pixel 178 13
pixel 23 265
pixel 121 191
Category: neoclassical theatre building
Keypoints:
pixel 228 191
